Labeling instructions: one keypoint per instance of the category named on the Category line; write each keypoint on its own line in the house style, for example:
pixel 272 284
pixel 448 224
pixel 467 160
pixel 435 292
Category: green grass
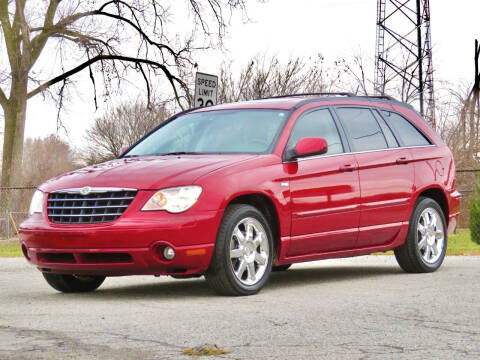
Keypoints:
pixel 462 244
pixel 10 249
pixel 458 244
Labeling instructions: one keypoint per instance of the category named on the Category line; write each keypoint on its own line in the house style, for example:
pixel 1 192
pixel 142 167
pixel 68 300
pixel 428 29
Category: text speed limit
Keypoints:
pixel 206 87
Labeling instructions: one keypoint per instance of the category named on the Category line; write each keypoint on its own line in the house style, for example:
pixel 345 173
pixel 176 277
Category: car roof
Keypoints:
pixel 291 102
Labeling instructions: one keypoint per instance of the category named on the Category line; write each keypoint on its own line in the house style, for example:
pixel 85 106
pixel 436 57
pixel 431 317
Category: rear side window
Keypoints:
pixel 318 123
pixel 363 129
pixel 408 133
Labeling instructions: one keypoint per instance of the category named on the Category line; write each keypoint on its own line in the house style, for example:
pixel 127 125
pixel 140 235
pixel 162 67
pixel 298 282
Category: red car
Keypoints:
pixel 237 190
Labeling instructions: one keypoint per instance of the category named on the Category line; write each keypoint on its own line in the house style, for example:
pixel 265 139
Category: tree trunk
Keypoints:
pixel 472 137
pixel 14 114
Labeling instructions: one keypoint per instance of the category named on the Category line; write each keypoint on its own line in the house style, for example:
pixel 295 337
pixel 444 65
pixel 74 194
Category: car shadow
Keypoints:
pixel 198 288
pixel 169 289
pixel 334 274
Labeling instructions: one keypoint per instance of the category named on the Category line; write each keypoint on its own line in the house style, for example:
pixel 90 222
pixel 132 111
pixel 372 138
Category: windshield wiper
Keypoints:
pixel 180 153
pixel 130 156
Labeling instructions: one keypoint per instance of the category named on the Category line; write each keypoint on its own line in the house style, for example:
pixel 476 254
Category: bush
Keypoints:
pixel 475 215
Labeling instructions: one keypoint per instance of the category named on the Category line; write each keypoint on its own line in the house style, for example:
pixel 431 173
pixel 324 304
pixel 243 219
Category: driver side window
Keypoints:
pixel 317 123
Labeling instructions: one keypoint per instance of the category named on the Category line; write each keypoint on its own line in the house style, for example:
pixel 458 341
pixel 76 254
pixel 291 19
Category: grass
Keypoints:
pixel 10 248
pixel 462 244
pixel 205 350
pixel 458 244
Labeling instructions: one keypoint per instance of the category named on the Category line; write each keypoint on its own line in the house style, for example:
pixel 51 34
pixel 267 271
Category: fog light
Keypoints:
pixel 168 253
pixel 25 252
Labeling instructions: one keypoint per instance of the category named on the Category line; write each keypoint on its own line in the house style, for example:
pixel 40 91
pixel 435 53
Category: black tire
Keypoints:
pixel 72 283
pixel 220 274
pixel 409 256
pixel 281 267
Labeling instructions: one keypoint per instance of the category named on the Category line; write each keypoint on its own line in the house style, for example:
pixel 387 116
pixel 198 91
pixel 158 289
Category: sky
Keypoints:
pixel 333 28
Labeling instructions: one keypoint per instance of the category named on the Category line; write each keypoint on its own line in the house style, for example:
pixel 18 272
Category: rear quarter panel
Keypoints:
pixel 434 165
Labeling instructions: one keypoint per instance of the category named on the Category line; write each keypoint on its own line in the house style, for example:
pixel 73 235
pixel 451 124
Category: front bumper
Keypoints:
pixel 132 245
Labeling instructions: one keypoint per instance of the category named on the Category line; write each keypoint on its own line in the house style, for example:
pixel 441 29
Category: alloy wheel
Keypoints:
pixel 430 235
pixel 249 251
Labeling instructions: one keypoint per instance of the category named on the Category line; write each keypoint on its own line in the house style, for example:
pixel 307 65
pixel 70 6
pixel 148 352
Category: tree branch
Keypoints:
pixel 141 32
pixel 171 78
pixel 38 42
pixel 7 32
pixel 21 23
pixel 85 40
pixel 148 85
pixel 3 99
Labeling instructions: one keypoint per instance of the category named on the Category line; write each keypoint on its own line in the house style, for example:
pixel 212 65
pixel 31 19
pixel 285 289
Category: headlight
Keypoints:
pixel 174 200
pixel 36 205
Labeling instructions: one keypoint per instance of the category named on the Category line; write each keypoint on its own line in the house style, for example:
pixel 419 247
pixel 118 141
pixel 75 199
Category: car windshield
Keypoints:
pixel 215 132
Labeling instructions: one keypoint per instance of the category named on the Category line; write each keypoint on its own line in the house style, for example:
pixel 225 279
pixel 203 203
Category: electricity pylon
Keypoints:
pixel 403 58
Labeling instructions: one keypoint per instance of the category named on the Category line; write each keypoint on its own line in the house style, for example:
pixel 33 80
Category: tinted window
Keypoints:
pixel 363 129
pixel 387 132
pixel 408 133
pixel 222 131
pixel 318 123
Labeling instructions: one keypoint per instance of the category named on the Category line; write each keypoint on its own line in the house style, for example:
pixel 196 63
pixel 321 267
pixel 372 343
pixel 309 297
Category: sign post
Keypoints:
pixel 206 87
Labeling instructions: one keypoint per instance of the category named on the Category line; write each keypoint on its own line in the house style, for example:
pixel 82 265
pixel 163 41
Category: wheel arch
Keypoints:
pixel 437 194
pixel 267 207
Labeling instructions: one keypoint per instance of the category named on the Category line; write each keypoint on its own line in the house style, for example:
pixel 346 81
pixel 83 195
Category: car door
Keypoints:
pixel 324 189
pixel 386 175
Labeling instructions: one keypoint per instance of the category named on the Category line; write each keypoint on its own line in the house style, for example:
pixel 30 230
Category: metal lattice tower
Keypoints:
pixel 403 61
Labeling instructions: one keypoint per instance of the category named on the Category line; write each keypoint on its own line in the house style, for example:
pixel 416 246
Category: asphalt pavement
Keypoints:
pixel 358 308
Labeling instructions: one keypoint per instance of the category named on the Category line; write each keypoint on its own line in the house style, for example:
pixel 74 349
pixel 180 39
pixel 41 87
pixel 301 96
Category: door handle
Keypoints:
pixel 347 167
pixel 403 160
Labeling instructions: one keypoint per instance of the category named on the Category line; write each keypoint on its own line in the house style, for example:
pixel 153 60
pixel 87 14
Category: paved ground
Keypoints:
pixel 354 308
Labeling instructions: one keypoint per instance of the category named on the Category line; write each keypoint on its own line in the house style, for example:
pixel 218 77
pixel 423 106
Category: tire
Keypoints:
pixel 281 267
pixel 426 244
pixel 244 237
pixel 73 283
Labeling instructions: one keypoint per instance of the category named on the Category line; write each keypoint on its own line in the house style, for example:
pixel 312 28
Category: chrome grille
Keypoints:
pixel 95 205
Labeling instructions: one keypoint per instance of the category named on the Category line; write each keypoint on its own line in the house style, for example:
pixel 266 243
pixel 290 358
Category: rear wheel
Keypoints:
pixel 426 243
pixel 242 260
pixel 73 283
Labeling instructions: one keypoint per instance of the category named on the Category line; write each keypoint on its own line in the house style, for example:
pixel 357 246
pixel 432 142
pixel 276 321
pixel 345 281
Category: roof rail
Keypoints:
pixel 309 94
pixel 385 97
pixel 346 94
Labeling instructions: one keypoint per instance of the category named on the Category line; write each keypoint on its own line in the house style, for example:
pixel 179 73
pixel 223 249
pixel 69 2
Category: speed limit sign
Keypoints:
pixel 206 87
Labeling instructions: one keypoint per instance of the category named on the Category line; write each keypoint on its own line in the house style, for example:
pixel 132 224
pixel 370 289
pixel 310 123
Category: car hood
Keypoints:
pixel 144 173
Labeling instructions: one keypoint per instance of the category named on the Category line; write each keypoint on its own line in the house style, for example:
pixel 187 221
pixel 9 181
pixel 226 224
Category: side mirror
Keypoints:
pixel 123 150
pixel 308 146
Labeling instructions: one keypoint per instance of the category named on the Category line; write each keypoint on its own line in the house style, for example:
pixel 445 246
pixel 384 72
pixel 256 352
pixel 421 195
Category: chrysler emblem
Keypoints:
pixel 85 190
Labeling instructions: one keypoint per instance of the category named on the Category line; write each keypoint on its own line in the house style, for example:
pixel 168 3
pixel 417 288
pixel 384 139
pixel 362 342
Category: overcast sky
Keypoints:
pixel 334 28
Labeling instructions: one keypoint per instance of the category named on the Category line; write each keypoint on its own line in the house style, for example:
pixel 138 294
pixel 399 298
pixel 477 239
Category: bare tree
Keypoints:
pixel 46 158
pixel 358 81
pixel 43 159
pixel 267 76
pixel 108 38
pixel 122 126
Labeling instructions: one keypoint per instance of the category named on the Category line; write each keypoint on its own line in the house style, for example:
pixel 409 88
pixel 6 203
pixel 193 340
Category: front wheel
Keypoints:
pixel 73 283
pixel 426 243
pixel 242 260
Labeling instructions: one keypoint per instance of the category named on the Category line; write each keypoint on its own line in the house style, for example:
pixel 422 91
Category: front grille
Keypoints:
pixel 99 205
